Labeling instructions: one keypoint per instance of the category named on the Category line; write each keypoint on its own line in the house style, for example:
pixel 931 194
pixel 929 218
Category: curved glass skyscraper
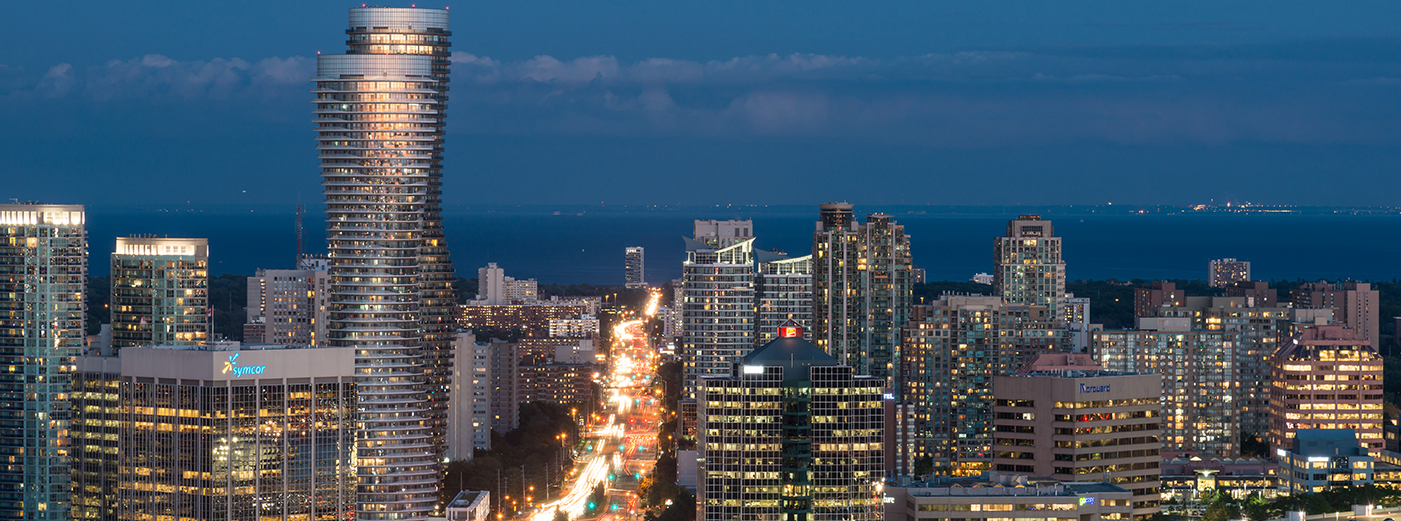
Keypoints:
pixel 379 115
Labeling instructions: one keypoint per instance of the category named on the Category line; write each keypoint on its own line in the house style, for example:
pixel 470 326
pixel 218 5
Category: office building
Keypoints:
pixel 783 293
pixel 1319 460
pixel 996 496
pixel 504 359
pixel 160 292
pixel 1354 304
pixel 862 290
pixel 469 402
pixel 1081 425
pixel 634 274
pixel 1224 272
pixel 218 431
pixel 43 305
pixel 470 505
pixel 1075 312
pixel 790 434
pixel 722 234
pixel 717 313
pixel 1327 377
pixel 583 326
pixel 1147 300
pixel 1027 264
pixel 380 117
pixel 950 352
pixel 982 278
pixel 291 305
pixel 1201 411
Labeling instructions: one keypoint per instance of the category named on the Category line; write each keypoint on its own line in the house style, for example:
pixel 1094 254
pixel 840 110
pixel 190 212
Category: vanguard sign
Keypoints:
pixel 232 366
pixel 1094 388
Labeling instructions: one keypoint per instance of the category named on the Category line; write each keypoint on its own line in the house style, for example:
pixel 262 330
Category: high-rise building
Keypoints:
pixel 783 292
pixel 1261 329
pixel 790 434
pixel 950 352
pixel 218 431
pixel 504 359
pixel 862 289
pixel 1327 377
pixel 1075 312
pixel 1081 425
pixel 380 112
pixel 43 306
pixel 1158 294
pixel 1258 294
pixel 722 234
pixel 292 306
pixel 469 407
pixel 160 292
pixel 1355 304
pixel 717 314
pixel 494 288
pixel 1224 272
pixel 1200 409
pixel 634 275
pixel 1027 264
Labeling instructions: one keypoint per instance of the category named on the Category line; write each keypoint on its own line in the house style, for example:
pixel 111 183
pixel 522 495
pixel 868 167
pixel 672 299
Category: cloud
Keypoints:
pixel 1333 92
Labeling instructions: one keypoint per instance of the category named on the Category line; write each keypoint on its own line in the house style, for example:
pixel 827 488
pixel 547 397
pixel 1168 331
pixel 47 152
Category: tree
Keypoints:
pixel 1223 508
pixel 924 465
pixel 561 516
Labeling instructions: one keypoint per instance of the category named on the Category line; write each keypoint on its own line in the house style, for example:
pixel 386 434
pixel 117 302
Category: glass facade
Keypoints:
pixel 862 289
pixel 180 449
pixel 779 449
pixel 380 115
pixel 717 313
pixel 160 292
pixel 43 271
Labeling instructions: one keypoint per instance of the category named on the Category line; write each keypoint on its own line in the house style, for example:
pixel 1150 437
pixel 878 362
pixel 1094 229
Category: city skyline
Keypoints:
pixel 813 362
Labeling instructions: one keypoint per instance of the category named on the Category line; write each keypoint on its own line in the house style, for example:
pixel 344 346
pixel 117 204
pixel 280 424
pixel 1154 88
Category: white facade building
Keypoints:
pixel 469 403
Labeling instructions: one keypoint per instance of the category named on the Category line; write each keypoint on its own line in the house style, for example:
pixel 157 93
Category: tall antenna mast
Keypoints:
pixel 301 253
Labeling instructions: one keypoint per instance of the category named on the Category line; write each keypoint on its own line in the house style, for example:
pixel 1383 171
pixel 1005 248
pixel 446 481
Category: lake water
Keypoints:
pixel 585 244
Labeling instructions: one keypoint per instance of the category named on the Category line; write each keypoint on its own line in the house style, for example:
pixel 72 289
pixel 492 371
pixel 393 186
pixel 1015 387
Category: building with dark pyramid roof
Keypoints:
pixel 790 435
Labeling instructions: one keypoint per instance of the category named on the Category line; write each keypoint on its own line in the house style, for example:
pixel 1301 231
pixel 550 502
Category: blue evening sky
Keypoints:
pixel 744 102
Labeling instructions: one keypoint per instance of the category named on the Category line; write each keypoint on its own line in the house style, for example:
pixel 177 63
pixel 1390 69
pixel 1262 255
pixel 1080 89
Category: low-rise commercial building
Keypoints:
pixel 997 497
pixel 470 505
pixel 1324 459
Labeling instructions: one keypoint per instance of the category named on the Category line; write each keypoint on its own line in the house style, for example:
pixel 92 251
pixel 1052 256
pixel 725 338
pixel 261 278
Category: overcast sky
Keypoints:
pixel 745 102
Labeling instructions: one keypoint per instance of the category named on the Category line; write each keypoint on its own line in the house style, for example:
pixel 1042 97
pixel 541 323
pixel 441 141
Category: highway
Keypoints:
pixel 624 446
